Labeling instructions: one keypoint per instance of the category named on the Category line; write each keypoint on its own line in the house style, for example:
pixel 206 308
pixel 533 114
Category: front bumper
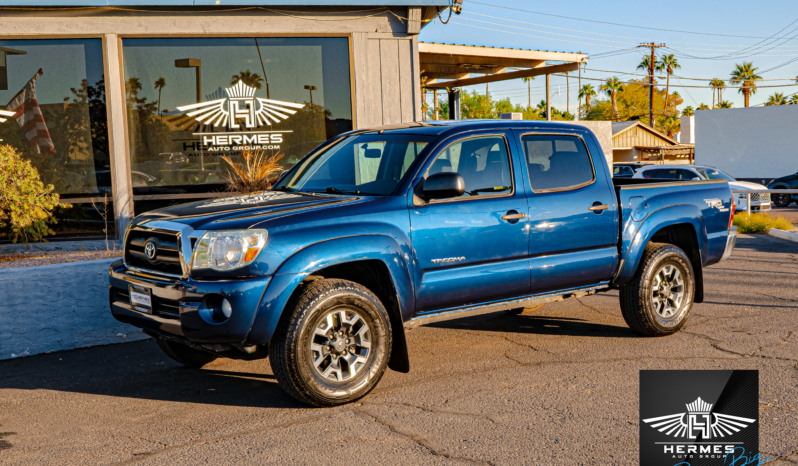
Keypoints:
pixel 731 240
pixel 178 306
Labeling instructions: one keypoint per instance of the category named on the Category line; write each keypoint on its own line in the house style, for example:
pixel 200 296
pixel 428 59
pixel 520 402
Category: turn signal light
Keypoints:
pixel 731 215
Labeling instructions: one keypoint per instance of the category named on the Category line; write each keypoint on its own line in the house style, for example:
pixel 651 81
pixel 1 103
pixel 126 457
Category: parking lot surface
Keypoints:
pixel 554 386
pixel 790 213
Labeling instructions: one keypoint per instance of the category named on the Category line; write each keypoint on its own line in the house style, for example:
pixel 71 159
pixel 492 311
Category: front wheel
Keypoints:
pixel 657 301
pixel 781 200
pixel 332 345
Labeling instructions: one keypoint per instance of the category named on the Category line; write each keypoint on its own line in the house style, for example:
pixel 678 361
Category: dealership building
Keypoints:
pixel 128 106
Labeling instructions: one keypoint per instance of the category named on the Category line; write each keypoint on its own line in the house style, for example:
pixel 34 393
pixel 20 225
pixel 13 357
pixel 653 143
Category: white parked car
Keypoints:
pixel 759 201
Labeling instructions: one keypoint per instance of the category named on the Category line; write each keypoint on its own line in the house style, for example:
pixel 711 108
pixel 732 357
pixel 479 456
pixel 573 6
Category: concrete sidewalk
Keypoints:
pixel 559 386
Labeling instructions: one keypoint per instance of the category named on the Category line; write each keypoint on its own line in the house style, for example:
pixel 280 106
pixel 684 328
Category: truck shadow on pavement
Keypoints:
pixel 140 370
pixel 537 325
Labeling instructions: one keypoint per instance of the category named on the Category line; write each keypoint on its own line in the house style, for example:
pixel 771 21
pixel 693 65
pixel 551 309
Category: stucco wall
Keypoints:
pixel 754 142
pixel 58 307
pixel 603 131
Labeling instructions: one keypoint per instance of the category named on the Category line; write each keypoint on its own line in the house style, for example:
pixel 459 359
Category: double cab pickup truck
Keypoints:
pixel 382 229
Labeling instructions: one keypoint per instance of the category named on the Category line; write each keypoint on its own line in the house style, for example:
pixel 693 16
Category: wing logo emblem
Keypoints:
pixel 241 108
pixel 699 420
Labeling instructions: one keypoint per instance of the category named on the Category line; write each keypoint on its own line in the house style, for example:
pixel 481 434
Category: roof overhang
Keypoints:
pixel 450 65
pixel 223 3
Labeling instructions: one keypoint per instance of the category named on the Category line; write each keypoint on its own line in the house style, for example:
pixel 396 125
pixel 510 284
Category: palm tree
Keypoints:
pixel 250 79
pixel 611 87
pixel 794 99
pixel 688 111
pixel 132 87
pixel 670 124
pixel 776 99
pixel 587 92
pixel 528 81
pixel 645 64
pixel 720 86
pixel 668 63
pixel 746 76
pixel 703 106
pixel 725 104
pixel 715 83
pixel 160 84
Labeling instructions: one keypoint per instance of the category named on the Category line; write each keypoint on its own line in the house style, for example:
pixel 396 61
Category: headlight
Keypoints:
pixel 228 249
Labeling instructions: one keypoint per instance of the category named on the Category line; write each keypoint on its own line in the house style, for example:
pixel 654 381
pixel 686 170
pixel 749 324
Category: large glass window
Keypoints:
pixel 56 91
pixel 191 101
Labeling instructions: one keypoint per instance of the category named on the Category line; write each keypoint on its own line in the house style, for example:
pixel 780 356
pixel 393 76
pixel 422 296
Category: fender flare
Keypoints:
pixel 684 214
pixel 290 274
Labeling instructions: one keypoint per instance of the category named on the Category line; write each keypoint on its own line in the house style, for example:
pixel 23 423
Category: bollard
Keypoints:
pixel 748 203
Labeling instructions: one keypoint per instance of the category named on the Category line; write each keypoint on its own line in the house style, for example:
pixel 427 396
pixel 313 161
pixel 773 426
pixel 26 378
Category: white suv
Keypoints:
pixel 759 201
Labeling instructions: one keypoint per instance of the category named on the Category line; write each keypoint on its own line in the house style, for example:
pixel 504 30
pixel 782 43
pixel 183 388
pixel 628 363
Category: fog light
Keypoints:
pixel 227 309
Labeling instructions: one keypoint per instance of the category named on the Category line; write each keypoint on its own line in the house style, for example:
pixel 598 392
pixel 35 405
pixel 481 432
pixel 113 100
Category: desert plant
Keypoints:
pixel 257 173
pixel 26 204
pixel 760 223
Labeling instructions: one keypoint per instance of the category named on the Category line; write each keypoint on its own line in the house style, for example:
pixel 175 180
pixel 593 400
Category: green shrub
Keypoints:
pixel 760 223
pixel 26 204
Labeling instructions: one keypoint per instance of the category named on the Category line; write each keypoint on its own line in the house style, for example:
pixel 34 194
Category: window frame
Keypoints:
pixel 442 149
pixel 567 188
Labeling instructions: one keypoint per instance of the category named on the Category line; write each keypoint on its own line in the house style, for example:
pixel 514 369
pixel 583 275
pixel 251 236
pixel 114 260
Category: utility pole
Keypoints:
pixel 652 46
pixel 567 94
pixel 579 109
pixel 435 97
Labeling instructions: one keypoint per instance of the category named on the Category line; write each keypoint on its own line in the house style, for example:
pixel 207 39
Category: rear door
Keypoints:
pixel 572 211
pixel 473 249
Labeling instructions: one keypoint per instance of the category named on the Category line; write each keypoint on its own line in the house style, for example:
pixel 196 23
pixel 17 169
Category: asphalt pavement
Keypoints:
pixel 554 386
pixel 790 213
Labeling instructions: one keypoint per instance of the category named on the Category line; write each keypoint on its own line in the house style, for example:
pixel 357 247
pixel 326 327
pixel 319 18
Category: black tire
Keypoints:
pixel 781 200
pixel 520 310
pixel 296 345
pixel 638 299
pixel 185 355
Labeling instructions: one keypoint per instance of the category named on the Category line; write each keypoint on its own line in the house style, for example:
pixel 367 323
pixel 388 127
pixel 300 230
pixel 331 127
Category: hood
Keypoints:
pixel 241 212
pixel 747 186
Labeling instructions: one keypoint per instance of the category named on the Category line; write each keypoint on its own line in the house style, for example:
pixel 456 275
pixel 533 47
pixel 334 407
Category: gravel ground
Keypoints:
pixel 15 259
pixel 557 386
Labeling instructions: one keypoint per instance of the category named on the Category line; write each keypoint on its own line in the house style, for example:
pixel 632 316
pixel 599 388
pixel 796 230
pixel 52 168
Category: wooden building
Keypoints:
pixel 633 141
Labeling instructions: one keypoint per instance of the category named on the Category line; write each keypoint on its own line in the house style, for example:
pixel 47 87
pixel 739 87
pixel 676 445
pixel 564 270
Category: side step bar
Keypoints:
pixel 501 306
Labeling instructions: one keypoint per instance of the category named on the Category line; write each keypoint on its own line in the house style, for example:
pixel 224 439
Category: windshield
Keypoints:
pixel 714 174
pixel 368 164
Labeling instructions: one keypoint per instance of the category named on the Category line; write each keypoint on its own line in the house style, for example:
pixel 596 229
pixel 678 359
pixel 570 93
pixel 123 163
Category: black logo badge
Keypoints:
pixel 698 417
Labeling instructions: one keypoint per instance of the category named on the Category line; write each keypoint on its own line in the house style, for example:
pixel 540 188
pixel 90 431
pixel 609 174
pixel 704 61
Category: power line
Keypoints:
pixel 611 35
pixel 530 35
pixel 681 77
pixel 685 86
pixel 617 24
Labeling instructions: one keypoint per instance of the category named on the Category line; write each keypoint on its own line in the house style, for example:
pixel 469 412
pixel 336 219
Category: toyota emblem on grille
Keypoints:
pixel 150 249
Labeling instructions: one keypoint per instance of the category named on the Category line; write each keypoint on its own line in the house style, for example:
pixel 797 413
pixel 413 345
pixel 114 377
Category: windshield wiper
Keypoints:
pixel 334 190
pixel 285 189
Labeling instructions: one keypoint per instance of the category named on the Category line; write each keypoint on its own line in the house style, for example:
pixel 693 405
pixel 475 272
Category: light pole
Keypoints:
pixel 311 89
pixel 194 63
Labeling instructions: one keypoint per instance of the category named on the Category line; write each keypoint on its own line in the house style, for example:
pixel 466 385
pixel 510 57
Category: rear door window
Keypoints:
pixel 650 174
pixel 557 162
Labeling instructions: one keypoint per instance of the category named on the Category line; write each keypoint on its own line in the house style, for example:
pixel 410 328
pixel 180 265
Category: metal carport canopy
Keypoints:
pixel 448 66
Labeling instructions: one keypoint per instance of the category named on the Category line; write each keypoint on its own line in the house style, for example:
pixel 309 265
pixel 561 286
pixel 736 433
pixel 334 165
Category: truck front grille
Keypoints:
pixel 760 197
pixel 164 247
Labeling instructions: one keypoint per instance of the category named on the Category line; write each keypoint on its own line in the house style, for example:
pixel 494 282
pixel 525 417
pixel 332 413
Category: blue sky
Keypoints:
pixel 759 22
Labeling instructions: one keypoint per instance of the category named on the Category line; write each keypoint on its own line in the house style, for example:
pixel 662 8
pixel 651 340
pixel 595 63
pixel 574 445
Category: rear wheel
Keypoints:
pixel 185 355
pixel 658 299
pixel 332 345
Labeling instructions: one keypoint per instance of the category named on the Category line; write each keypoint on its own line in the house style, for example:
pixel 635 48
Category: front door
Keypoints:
pixel 573 219
pixel 473 249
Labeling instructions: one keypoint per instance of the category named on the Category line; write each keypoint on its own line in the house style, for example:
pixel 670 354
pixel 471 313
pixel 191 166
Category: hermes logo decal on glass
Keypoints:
pixel 699 422
pixel 240 110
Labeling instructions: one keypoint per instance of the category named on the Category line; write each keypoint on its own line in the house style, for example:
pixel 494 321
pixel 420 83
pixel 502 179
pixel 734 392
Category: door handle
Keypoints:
pixel 513 216
pixel 598 207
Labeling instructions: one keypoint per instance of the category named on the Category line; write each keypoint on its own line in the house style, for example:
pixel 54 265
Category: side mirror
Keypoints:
pixel 444 185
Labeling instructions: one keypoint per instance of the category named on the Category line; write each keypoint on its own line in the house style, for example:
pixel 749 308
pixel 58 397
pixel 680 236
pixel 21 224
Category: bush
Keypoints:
pixel 257 173
pixel 26 204
pixel 760 223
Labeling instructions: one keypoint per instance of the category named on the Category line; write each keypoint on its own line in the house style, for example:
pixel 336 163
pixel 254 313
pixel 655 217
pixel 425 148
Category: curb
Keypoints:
pixel 781 234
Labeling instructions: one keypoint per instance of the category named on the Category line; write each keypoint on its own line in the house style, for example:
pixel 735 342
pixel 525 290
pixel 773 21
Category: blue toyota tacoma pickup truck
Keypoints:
pixel 381 229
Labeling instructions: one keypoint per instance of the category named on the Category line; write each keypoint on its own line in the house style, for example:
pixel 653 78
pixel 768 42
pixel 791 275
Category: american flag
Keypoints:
pixel 29 116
